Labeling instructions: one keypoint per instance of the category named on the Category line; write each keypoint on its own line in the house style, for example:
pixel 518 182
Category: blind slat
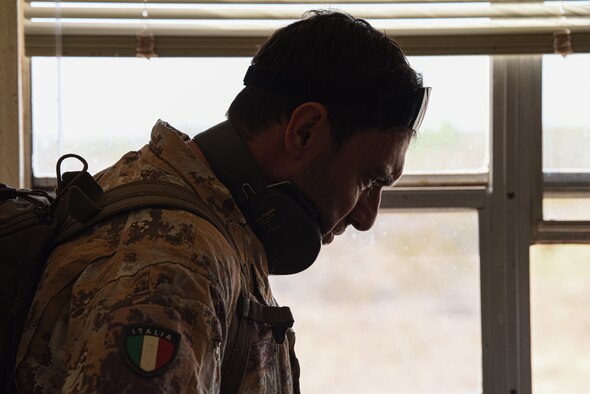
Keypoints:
pixel 319 3
pixel 203 28
pixel 390 11
pixel 194 46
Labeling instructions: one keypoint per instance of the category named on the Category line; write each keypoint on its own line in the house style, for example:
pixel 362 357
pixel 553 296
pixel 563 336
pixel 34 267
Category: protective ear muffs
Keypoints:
pixel 280 216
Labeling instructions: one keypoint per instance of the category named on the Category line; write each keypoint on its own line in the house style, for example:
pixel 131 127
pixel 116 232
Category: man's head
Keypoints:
pixel 336 95
pixel 331 58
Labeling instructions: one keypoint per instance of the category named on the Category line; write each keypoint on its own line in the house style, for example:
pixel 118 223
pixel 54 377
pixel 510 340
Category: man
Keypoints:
pixel 145 301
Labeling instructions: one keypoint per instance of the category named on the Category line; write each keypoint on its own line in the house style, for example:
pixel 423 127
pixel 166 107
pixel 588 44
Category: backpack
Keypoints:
pixel 33 223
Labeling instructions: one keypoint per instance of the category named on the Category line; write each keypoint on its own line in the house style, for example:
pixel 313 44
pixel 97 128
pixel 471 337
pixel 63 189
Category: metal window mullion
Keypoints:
pixel 566 181
pixel 530 203
pixel 563 231
pixel 492 267
pixel 506 223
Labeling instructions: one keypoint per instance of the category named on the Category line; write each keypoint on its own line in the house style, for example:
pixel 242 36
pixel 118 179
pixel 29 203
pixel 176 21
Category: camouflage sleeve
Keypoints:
pixel 152 318
pixel 157 342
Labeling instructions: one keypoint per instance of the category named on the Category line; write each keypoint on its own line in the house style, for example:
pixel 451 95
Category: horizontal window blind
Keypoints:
pixel 235 28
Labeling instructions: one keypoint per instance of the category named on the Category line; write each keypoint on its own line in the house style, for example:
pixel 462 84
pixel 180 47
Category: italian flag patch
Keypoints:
pixel 150 349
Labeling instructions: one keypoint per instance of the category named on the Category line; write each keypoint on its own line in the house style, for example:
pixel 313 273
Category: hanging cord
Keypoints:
pixel 146 42
pixel 58 59
pixel 562 38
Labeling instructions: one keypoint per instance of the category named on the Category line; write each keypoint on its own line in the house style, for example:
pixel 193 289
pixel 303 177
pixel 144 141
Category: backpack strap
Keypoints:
pixel 237 351
pixel 131 196
pixel 279 318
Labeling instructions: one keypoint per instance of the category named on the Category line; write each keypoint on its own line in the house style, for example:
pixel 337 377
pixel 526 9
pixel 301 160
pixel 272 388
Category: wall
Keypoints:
pixel 14 91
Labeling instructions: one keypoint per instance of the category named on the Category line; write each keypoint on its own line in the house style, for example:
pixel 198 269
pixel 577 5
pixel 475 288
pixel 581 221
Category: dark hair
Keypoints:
pixel 328 57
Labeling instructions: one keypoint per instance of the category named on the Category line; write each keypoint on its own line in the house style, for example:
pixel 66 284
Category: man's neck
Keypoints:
pixel 263 151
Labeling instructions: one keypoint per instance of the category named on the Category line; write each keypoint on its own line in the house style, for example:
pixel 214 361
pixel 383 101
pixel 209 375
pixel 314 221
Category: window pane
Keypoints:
pixel 455 133
pixel 566 119
pixel 392 310
pixel 560 320
pixel 107 106
pixel 566 208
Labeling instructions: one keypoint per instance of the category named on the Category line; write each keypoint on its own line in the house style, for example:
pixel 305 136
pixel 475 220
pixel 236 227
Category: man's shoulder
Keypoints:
pixel 139 166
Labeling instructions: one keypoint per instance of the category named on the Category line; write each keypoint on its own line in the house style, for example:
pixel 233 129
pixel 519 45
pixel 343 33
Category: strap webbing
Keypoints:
pixel 279 318
pixel 144 194
pixel 237 351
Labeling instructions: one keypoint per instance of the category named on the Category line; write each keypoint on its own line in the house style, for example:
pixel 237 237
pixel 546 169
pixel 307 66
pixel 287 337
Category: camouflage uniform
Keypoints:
pixel 165 269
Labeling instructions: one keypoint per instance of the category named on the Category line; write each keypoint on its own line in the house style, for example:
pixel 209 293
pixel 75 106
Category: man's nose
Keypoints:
pixel 365 211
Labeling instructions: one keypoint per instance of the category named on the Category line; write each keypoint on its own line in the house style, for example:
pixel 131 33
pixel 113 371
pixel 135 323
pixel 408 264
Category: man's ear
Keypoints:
pixel 308 129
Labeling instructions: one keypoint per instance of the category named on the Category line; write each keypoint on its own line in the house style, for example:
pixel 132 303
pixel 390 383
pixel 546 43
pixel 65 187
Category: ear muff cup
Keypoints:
pixel 291 238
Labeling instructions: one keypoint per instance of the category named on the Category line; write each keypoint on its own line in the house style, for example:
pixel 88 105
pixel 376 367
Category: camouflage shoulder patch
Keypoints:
pixel 149 349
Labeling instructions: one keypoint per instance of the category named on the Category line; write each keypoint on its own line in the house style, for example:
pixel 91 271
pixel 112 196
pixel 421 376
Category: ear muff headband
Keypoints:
pixel 280 216
pixel 231 162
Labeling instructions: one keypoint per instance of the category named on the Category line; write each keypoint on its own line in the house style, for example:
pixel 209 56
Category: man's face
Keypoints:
pixel 345 185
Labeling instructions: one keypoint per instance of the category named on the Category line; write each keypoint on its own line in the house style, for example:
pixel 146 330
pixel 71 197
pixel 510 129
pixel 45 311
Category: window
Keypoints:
pixel 481 174
pixel 455 133
pixel 566 137
pixel 380 308
pixel 104 116
pixel 559 318
pixel 383 298
pixel 565 115
pixel 558 271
